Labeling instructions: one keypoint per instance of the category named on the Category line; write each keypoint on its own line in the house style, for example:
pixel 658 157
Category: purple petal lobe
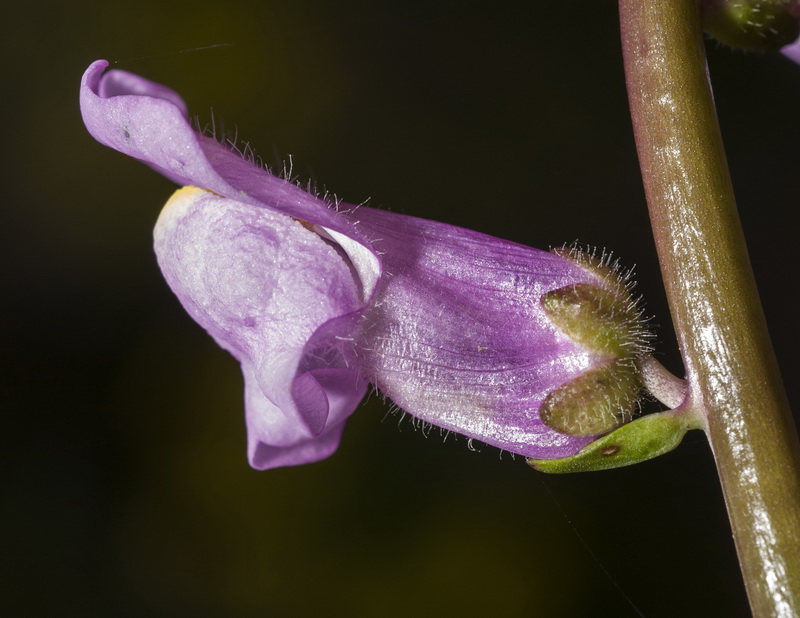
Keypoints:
pixel 283 301
pixel 460 338
pixel 148 121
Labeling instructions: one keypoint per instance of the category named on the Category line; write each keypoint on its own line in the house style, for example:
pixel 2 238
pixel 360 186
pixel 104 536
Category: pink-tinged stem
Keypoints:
pixel 731 370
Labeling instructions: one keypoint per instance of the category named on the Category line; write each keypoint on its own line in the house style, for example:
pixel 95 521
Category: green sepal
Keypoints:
pixel 595 402
pixel 599 319
pixel 645 438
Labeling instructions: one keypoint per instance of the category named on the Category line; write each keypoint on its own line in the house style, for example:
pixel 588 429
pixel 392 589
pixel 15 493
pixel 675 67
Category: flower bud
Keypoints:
pixel 755 25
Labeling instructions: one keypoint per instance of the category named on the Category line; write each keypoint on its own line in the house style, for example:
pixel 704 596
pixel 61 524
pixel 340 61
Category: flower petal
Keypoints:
pixel 284 302
pixel 792 51
pixel 273 440
pixel 460 339
pixel 148 121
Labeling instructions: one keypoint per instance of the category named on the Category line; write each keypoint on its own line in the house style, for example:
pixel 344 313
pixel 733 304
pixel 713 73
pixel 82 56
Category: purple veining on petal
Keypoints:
pixel 459 337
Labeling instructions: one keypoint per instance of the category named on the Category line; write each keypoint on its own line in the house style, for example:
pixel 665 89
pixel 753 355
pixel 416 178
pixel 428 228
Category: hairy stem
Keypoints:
pixel 731 373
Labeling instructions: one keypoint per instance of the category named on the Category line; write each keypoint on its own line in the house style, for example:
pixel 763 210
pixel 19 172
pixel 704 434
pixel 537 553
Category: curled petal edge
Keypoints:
pixel 148 121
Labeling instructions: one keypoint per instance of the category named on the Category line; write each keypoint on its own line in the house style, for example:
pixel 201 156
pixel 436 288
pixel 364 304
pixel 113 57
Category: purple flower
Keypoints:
pixel 318 300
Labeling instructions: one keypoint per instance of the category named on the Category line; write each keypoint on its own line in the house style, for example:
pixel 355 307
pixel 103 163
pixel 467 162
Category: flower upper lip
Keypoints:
pixel 136 125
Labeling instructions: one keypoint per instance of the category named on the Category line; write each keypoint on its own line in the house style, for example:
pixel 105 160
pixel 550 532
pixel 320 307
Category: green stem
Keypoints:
pixel 731 371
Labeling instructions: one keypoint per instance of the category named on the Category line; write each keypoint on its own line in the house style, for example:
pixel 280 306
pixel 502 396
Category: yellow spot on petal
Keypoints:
pixel 183 195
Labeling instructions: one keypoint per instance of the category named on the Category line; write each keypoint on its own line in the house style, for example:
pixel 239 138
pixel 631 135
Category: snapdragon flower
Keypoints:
pixel 531 351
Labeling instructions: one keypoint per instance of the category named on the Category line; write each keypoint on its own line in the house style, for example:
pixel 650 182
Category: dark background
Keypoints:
pixel 125 488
